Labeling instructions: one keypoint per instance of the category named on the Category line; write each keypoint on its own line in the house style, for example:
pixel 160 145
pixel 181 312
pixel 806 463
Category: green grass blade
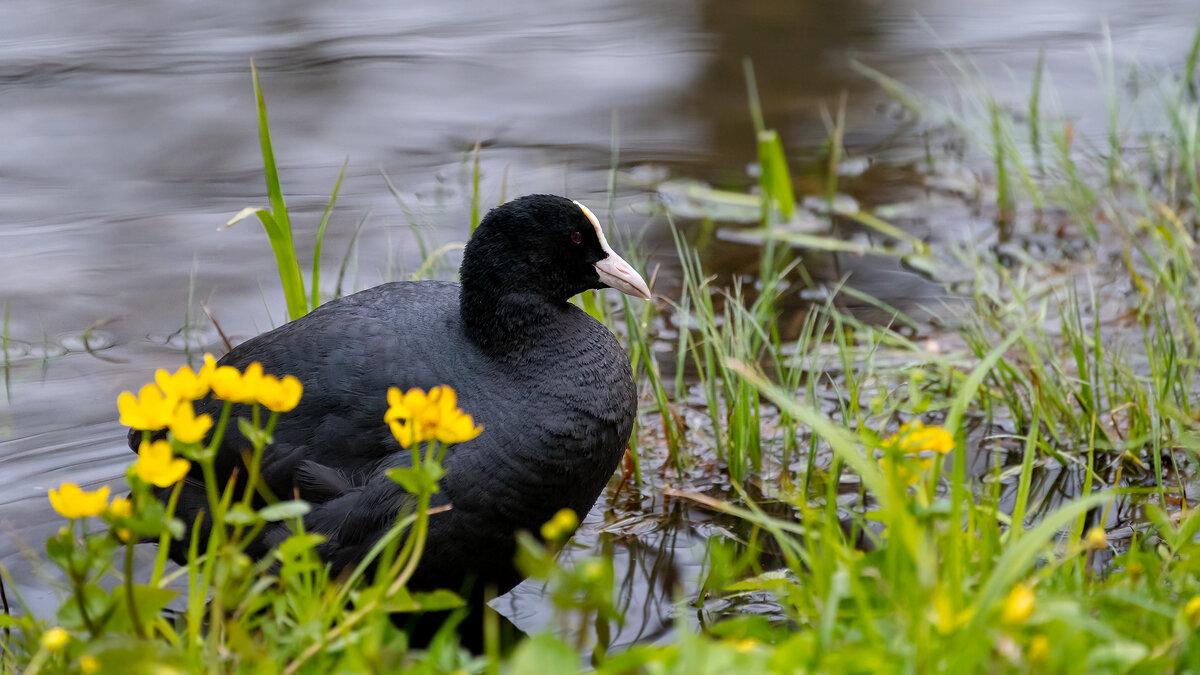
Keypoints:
pixel 475 190
pixel 776 179
pixel 316 268
pixel 1022 501
pixel 279 227
pixel 1019 558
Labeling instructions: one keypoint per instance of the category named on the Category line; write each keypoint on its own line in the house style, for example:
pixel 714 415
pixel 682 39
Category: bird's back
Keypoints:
pixel 556 418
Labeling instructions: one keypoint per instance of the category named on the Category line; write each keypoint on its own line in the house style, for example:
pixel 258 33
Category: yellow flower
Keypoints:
pixel 186 427
pixel 1018 606
pixel 1039 650
pixel 157 465
pixel 909 471
pixel 71 502
pixel 1096 539
pixel 914 437
pixel 121 508
pixel 252 376
pixel 150 410
pixel 1192 610
pixel 746 645
pixel 416 417
pixel 279 395
pixel 230 385
pixel 55 639
pixel 593 570
pixel 185 384
pixel 942 613
pixel 89 664
pixel 405 433
pixel 563 523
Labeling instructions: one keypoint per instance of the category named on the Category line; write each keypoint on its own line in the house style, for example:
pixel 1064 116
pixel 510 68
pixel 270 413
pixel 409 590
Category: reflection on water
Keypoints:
pixel 129 138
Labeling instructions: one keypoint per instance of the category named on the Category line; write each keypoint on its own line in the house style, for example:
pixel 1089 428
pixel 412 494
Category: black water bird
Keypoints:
pixel 551 387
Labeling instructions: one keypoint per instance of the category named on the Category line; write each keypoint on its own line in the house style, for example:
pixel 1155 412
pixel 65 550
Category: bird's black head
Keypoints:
pixel 544 245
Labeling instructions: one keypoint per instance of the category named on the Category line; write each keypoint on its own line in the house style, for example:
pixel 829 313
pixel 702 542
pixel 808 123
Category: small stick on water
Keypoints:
pixel 213 319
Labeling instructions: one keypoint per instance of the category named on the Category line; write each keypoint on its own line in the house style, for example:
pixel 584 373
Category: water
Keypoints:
pixel 130 138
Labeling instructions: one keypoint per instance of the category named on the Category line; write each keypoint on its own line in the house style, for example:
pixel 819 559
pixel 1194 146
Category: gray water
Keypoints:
pixel 129 138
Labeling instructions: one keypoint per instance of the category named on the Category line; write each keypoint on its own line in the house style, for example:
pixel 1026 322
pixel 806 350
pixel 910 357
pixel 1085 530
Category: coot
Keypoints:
pixel 551 387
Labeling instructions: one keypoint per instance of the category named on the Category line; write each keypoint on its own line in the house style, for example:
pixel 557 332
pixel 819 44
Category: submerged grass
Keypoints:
pixel 917 532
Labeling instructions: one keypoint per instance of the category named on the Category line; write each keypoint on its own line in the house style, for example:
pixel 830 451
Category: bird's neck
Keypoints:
pixel 505 325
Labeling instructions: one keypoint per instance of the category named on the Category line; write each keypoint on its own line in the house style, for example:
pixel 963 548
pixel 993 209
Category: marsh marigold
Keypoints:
pixel 55 639
pixel 156 464
pixel 417 416
pixel 1192 610
pixel 914 437
pixel 230 384
pixel 1018 606
pixel 188 427
pixel 562 524
pixel 121 508
pixel 186 384
pixel 167 403
pixel 279 394
pixel 72 502
pixel 254 386
pixel 149 410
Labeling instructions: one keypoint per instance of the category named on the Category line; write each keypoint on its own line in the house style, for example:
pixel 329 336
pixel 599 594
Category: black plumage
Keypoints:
pixel 551 387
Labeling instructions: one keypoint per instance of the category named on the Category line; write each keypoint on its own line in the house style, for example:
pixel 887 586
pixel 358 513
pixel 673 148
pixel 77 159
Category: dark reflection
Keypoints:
pixel 654 571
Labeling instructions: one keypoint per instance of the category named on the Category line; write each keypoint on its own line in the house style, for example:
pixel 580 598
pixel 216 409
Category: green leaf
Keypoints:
pixel 1116 657
pixel 96 600
pixel 240 514
pixel 438 600
pixel 404 601
pixel 252 433
pixel 59 547
pixel 533 558
pixel 544 653
pixel 148 600
pixel 400 601
pixel 295 545
pixel 752 627
pixel 418 479
pixel 293 508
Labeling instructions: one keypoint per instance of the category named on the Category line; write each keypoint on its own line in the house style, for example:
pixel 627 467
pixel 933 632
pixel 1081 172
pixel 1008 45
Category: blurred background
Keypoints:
pixel 129 138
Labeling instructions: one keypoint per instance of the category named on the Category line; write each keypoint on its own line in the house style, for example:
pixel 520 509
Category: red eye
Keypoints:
pixel 576 237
